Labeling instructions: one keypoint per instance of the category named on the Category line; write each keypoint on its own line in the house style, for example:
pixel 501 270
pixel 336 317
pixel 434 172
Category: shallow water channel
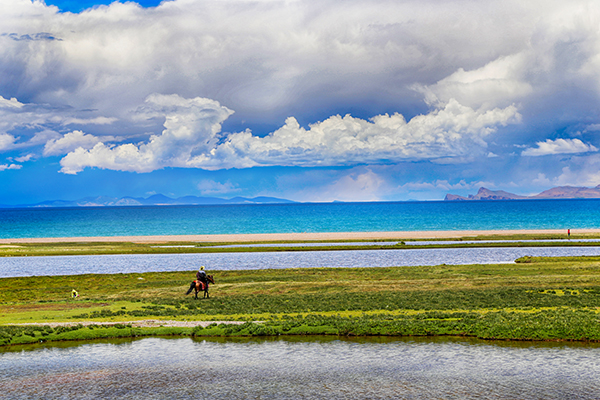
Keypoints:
pixel 129 263
pixel 301 368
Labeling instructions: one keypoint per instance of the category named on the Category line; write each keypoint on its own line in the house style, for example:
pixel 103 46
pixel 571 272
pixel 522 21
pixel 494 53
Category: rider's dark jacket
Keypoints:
pixel 201 276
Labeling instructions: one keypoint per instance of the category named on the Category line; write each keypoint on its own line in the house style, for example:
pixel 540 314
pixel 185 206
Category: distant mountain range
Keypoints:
pixel 155 200
pixel 560 192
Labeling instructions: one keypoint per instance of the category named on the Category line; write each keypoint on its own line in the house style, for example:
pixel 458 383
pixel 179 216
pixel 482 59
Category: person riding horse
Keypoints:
pixel 201 283
pixel 201 275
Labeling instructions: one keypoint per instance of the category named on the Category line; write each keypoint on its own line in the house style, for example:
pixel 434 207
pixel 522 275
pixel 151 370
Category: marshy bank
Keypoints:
pixel 533 299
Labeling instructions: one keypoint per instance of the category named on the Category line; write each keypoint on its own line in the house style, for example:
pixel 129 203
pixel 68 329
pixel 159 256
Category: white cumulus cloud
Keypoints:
pixel 559 146
pixel 192 138
pixel 191 127
pixel 25 158
pixel 4 167
pixel 11 103
pixel 6 141
pixel 453 130
pixel 69 142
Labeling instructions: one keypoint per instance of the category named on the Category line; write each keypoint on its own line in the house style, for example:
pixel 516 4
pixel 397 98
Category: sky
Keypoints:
pixel 372 100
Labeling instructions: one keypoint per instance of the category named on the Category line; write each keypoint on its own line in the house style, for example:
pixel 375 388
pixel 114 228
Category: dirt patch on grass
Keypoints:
pixel 148 323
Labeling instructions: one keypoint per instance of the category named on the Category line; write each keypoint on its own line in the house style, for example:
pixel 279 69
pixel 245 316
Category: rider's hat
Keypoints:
pixel 202 268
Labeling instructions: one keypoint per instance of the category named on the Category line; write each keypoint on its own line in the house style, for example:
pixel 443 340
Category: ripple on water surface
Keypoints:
pixel 130 263
pixel 321 368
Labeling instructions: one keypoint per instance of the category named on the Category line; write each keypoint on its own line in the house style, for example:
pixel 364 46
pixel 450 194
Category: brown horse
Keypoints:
pixel 199 286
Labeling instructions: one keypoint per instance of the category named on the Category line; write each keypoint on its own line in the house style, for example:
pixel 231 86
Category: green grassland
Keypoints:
pixel 533 299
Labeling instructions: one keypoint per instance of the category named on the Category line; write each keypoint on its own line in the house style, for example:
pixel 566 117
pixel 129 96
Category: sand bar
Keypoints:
pixel 314 236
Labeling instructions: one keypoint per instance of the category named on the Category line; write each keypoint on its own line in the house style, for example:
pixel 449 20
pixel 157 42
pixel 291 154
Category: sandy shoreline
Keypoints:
pixel 323 236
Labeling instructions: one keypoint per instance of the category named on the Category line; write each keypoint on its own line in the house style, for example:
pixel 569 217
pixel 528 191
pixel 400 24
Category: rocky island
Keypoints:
pixel 560 192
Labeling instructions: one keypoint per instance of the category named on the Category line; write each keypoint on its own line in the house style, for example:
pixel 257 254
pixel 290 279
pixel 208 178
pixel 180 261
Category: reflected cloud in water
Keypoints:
pixel 301 368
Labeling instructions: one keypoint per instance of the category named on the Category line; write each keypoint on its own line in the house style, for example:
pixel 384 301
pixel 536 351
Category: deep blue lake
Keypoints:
pixel 293 218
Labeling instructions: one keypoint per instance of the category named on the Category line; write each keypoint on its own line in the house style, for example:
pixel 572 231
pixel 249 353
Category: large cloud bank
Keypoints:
pixel 132 89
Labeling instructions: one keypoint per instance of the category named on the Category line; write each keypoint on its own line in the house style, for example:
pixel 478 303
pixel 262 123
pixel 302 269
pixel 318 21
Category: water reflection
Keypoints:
pixel 129 263
pixel 300 368
pixel 308 244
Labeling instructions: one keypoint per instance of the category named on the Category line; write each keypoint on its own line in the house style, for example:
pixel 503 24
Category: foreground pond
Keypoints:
pixel 302 368
pixel 131 263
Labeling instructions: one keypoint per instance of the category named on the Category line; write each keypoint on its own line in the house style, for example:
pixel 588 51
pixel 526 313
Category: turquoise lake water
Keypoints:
pixel 291 218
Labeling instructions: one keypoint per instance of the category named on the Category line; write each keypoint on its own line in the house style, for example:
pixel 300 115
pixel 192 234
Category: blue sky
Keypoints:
pixel 373 100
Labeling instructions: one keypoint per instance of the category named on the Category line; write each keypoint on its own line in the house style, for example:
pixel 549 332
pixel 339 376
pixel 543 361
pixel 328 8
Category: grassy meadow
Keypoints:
pixel 533 299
